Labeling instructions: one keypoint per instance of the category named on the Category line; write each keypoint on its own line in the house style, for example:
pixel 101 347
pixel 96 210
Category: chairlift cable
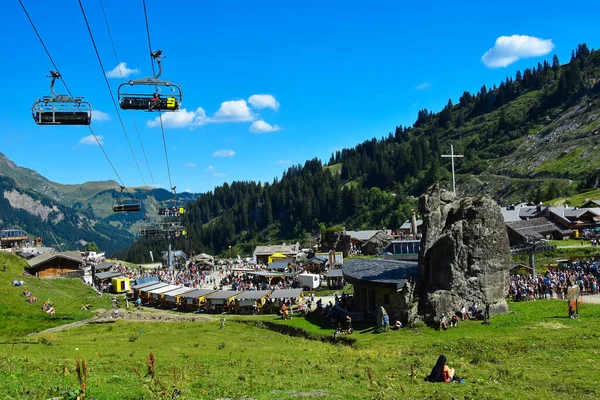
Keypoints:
pixel 112 97
pixel 132 113
pixel 68 90
pixel 159 112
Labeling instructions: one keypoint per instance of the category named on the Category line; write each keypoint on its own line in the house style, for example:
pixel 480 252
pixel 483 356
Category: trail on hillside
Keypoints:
pixel 106 317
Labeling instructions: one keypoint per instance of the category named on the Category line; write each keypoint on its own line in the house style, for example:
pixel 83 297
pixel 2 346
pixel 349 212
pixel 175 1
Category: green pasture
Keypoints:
pixel 534 352
pixel 20 318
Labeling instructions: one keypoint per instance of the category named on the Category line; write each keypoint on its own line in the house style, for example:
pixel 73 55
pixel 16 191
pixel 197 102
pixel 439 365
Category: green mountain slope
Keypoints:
pixel 532 137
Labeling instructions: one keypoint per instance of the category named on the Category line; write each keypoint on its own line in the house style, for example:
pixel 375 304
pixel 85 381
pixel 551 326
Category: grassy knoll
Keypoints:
pixel 19 317
pixel 533 353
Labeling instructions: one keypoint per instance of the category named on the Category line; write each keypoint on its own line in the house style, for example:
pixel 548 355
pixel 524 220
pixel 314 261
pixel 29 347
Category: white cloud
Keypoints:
pixel 190 165
pixel 262 127
pixel 180 119
pixel 122 70
pixel 188 190
pixel 233 111
pixel 263 101
pixel 423 86
pixel 510 49
pixel 283 162
pixel 224 153
pixel 210 168
pixel 219 174
pixel 98 116
pixel 91 141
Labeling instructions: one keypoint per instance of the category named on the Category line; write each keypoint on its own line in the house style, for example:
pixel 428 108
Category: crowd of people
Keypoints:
pixel 235 276
pixel 555 282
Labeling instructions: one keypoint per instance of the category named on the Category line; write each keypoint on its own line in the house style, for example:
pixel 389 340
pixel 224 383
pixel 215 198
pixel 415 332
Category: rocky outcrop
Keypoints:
pixel 334 240
pixel 464 257
pixel 34 207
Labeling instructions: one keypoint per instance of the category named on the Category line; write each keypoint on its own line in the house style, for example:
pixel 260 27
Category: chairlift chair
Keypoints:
pixel 149 230
pixel 59 109
pixel 126 204
pixel 151 101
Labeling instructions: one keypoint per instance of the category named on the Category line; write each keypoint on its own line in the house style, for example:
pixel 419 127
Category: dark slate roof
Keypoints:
pixel 278 264
pixel 223 294
pixel 286 293
pixel 537 227
pixel 334 273
pixel 26 255
pixel 376 272
pixel 253 294
pixel 317 260
pixel 198 293
pixel 104 265
pixel 109 274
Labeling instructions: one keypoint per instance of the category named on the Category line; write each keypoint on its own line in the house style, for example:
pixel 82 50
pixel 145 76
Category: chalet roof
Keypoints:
pixel 591 204
pixel 156 285
pixel 364 236
pixel 223 294
pixel 109 274
pixel 406 225
pixel 286 293
pixel 148 279
pixel 279 264
pixel 104 265
pixel 26 255
pixel 179 291
pixel 66 255
pixel 253 294
pixel 146 283
pixel 288 249
pixel 163 289
pixel 574 213
pixel 317 260
pixel 537 227
pixel 197 293
pixel 375 272
pixel 334 273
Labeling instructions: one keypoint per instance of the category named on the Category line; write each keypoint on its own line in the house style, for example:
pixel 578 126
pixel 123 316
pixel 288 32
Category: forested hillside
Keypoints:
pixel 532 137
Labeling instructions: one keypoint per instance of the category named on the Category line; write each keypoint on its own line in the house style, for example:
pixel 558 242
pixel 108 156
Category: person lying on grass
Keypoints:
pixel 442 373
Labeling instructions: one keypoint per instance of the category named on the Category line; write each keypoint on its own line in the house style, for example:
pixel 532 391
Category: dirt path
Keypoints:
pixel 591 299
pixel 106 317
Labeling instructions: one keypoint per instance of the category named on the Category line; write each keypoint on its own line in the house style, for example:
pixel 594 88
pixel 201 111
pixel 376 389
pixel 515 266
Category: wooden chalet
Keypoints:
pixel 68 264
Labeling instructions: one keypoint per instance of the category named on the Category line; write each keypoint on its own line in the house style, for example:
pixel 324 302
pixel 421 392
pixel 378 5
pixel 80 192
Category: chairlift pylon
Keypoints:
pixel 60 109
pixel 151 101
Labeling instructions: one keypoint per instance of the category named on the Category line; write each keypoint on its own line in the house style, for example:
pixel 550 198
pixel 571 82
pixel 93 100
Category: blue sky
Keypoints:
pixel 331 75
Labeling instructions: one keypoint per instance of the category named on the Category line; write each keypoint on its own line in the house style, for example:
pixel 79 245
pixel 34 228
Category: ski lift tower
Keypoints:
pixel 532 246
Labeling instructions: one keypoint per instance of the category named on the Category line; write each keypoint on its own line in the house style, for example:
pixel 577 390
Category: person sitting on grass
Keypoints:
pixel 442 373
pixel 397 325
pixel 386 323
pixel 454 321
pixel 443 323
pixel 464 313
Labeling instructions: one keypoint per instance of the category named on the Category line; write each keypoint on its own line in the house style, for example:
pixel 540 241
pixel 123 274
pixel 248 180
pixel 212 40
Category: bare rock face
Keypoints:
pixel 464 257
pixel 336 241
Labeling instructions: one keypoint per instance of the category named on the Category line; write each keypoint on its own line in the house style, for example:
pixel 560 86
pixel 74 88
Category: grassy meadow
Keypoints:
pixel 535 352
